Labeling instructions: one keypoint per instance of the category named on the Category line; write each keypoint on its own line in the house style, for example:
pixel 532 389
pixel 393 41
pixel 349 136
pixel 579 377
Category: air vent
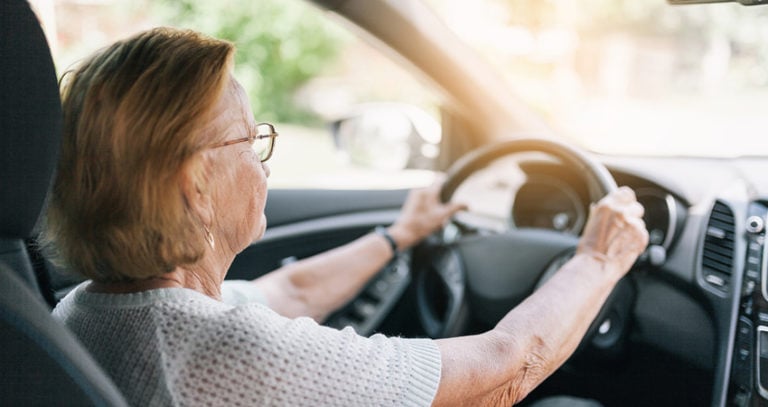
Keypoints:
pixel 717 256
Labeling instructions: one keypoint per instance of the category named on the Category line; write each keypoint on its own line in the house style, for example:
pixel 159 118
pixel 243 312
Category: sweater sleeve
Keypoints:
pixel 252 356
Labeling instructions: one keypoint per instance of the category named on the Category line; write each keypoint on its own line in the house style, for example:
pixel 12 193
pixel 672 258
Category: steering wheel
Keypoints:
pixel 483 276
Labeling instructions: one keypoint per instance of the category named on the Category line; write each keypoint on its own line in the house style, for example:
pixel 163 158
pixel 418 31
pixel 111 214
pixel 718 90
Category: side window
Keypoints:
pixel 379 127
pixel 348 117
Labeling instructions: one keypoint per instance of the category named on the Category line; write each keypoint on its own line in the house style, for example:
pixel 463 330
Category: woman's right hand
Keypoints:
pixel 422 214
pixel 615 233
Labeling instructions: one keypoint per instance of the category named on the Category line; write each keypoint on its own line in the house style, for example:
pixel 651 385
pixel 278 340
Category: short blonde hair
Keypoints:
pixel 134 115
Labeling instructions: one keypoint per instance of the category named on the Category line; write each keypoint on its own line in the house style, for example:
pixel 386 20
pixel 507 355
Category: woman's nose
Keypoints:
pixel 266 169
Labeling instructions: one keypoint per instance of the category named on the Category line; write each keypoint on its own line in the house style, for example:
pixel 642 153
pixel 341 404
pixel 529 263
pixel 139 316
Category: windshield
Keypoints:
pixel 631 77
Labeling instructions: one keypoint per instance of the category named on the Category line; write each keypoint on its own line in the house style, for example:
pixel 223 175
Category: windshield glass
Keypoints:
pixel 630 77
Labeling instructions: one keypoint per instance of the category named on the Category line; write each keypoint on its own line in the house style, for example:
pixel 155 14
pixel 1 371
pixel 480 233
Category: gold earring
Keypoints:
pixel 209 237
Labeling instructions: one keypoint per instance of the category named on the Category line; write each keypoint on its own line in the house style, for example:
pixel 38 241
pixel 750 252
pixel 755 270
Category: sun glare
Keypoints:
pixel 629 77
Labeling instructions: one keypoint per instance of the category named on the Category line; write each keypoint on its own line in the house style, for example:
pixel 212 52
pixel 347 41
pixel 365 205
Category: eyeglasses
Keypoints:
pixel 263 141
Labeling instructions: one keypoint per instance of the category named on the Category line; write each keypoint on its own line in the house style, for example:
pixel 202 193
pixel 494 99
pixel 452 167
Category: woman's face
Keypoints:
pixel 239 180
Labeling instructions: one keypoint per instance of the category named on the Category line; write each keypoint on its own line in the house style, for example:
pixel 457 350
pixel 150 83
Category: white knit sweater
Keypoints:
pixel 175 346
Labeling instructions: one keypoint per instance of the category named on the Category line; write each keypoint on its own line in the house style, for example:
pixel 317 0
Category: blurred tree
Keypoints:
pixel 280 45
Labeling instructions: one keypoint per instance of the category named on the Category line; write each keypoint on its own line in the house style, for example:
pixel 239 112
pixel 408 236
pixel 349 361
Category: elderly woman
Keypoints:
pixel 162 181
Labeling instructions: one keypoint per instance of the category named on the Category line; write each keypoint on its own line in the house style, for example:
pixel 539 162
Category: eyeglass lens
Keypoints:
pixel 263 145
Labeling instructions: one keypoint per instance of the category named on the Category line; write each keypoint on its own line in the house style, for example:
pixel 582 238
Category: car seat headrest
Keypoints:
pixel 30 119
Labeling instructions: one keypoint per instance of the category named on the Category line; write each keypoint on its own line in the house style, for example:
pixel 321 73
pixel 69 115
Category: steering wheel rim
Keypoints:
pixel 481 157
pixel 601 183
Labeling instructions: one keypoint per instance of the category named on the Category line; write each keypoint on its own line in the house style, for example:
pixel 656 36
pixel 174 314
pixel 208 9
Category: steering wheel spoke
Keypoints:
pixel 503 269
pixel 441 291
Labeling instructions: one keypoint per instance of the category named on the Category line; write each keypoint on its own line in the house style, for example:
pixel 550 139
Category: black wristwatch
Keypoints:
pixel 382 231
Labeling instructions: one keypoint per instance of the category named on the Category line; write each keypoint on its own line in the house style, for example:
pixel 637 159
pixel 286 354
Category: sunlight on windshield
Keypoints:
pixel 615 76
pixel 631 77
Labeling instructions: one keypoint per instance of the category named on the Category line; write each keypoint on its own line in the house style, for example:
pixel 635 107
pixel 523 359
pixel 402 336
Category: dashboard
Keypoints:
pixel 705 299
pixel 749 370
pixel 683 325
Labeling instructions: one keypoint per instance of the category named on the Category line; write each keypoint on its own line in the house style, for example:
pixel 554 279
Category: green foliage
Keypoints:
pixel 280 46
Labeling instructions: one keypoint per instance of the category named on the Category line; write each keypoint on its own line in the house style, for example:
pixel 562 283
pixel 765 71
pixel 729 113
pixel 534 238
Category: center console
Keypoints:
pixel 749 369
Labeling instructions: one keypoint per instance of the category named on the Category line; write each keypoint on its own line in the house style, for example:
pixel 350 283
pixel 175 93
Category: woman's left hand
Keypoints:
pixel 422 214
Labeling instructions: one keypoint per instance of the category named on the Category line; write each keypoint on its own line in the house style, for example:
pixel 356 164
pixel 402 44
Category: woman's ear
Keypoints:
pixel 193 181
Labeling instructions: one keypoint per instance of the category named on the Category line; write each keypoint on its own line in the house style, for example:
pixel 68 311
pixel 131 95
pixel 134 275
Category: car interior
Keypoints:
pixel 688 326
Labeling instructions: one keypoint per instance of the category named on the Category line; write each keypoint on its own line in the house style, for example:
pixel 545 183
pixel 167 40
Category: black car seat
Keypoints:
pixel 42 362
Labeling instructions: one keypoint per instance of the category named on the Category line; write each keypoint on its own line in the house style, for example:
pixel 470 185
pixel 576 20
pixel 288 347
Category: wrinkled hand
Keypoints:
pixel 615 232
pixel 422 214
